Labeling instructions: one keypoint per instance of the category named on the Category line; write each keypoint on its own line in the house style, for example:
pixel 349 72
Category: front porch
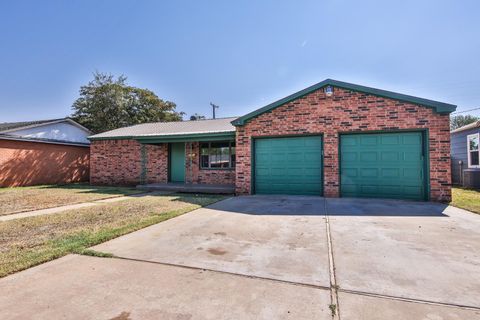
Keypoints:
pixel 189 187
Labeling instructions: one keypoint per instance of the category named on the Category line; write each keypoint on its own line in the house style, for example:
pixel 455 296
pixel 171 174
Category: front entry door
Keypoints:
pixel 177 162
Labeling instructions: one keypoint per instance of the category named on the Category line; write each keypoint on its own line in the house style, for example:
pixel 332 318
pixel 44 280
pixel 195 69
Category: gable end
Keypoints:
pixel 439 107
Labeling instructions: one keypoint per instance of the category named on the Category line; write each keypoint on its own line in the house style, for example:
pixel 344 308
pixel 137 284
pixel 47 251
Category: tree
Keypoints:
pixel 196 116
pixel 461 120
pixel 107 103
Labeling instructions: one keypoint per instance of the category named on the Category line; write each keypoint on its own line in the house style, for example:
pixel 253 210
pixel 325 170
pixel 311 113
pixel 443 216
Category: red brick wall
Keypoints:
pixel 156 163
pixel 25 163
pixel 115 162
pixel 196 175
pixel 343 112
pixel 119 162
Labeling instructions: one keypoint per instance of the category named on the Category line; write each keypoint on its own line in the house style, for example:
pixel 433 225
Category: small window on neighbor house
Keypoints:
pixel 217 155
pixel 473 150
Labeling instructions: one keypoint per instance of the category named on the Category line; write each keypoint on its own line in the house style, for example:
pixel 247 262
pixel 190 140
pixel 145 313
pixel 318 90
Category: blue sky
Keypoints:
pixel 240 55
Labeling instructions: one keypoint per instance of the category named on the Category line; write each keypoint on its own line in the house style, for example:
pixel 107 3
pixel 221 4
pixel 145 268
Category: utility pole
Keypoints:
pixel 214 106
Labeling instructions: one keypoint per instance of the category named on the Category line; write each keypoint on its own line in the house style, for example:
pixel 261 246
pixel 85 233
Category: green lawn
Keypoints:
pixel 30 241
pixel 466 199
pixel 41 197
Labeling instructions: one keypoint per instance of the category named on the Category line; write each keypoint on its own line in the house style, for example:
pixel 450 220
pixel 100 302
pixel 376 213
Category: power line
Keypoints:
pixel 467 110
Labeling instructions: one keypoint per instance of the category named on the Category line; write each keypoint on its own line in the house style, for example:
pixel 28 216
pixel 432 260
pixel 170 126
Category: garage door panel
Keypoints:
pixel 389 189
pixel 389 165
pixel 390 156
pixel 351 156
pixel 369 172
pixel 412 190
pixel 314 143
pixel 390 173
pixel 412 156
pixel 277 172
pixel 367 140
pixel 350 141
pixel 369 189
pixel 350 172
pixel 389 140
pixel 312 157
pixel 368 156
pixel 412 139
pixel 290 165
pixel 295 157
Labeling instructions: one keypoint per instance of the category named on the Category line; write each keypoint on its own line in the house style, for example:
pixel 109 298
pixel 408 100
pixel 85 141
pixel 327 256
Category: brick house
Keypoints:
pixel 50 151
pixel 332 139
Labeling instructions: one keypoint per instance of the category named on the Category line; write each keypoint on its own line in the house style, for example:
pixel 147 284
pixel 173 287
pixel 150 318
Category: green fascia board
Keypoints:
pixel 216 136
pixel 439 107
pixel 110 138
pixel 219 136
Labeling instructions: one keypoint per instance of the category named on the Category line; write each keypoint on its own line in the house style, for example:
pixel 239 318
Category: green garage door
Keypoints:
pixel 291 165
pixel 384 165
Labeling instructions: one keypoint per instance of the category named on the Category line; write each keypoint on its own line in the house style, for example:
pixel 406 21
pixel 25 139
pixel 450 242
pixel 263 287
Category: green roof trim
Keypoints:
pixel 110 138
pixel 212 136
pixel 439 107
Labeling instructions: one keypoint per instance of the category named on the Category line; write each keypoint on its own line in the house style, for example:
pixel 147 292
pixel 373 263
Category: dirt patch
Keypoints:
pixel 220 234
pixel 217 251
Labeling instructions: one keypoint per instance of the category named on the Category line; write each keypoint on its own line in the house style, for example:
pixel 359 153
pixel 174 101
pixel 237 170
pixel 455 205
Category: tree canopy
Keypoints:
pixel 462 120
pixel 108 103
pixel 197 116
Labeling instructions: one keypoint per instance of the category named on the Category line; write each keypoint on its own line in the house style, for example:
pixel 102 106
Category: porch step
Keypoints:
pixel 189 188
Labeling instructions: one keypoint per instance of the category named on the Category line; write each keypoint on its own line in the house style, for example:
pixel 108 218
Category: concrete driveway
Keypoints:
pixel 270 257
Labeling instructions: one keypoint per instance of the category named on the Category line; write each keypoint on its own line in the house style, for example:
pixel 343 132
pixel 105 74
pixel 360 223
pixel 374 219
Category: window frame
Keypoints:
pixel 230 162
pixel 475 135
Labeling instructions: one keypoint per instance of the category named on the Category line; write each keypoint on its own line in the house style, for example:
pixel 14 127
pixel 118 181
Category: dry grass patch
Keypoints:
pixel 34 240
pixel 466 199
pixel 21 199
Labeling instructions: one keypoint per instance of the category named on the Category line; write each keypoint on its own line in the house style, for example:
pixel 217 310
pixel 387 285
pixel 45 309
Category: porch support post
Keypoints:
pixel 143 164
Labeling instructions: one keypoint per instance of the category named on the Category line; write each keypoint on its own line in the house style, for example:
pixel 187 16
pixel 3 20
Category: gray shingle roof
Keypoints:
pixel 14 125
pixel 170 128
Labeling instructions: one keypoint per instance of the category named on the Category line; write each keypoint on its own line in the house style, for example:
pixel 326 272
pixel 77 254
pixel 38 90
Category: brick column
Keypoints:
pixel 330 165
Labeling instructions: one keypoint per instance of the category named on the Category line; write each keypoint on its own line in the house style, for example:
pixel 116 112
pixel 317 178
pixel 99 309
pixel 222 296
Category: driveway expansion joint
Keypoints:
pixel 411 300
pixel 335 307
pixel 302 284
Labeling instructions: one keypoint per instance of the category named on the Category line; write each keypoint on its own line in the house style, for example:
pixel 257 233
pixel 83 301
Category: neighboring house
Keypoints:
pixel 332 139
pixel 465 155
pixel 43 152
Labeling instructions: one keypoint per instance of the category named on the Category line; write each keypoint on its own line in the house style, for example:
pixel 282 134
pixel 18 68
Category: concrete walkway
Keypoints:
pixel 41 212
pixel 266 257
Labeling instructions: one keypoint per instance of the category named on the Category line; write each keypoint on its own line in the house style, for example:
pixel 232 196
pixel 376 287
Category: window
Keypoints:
pixel 473 150
pixel 217 155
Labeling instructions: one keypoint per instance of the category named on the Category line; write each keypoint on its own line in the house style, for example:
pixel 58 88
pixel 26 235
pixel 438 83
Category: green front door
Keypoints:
pixel 383 165
pixel 290 165
pixel 177 162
